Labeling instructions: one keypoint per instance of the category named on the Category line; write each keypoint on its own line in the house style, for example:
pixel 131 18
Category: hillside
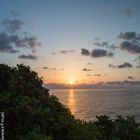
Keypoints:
pixel 32 114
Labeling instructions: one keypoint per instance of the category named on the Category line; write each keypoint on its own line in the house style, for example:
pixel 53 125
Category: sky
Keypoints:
pixel 81 43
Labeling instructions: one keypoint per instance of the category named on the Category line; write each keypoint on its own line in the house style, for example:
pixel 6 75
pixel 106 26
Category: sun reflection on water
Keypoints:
pixel 71 101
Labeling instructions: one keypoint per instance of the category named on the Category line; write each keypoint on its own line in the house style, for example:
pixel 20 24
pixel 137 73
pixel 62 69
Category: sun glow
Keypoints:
pixel 71 82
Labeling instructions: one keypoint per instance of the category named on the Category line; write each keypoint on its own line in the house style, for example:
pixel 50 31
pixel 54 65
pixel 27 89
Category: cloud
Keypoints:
pixel 137 59
pixel 88 75
pixel 67 51
pixel 97 74
pixel 131 42
pixel 111 84
pixel 110 54
pixel 53 53
pixel 132 36
pixel 12 25
pixel 72 51
pixel 96 39
pixel 6 42
pixel 96 53
pixel 48 68
pixel 101 53
pixel 30 42
pixel 85 52
pixel 130 77
pixel 130 47
pixel 11 39
pixel 125 65
pixel 27 56
pixel 138 66
pixel 111 66
pixel 131 82
pixel 85 69
pixel 57 86
pixel 90 63
pixel 112 46
pixel 63 51
pixel 105 44
pixel 14 13
pixel 101 44
pixel 45 67
pixel 9 42
pixel 123 83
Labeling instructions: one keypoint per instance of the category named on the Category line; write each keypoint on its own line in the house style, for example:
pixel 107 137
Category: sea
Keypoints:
pixel 86 104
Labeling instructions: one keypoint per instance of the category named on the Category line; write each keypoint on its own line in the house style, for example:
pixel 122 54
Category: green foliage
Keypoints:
pixel 32 114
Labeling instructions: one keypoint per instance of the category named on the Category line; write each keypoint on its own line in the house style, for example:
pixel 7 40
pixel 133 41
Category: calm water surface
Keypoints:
pixel 87 103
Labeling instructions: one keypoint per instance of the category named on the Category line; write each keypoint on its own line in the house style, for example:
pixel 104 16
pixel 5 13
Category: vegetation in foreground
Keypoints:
pixel 32 114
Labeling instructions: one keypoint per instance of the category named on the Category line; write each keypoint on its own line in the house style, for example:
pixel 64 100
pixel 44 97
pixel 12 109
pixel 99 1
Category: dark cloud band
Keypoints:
pixel 96 53
pixel 125 65
pixel 27 57
pixel 130 47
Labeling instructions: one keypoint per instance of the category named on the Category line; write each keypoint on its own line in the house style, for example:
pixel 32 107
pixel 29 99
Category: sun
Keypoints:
pixel 71 82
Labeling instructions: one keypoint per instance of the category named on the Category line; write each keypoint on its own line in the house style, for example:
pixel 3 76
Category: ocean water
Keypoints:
pixel 86 104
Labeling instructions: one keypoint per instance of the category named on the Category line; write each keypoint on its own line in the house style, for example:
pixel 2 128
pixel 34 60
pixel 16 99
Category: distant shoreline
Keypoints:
pixel 108 85
pixel 127 88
